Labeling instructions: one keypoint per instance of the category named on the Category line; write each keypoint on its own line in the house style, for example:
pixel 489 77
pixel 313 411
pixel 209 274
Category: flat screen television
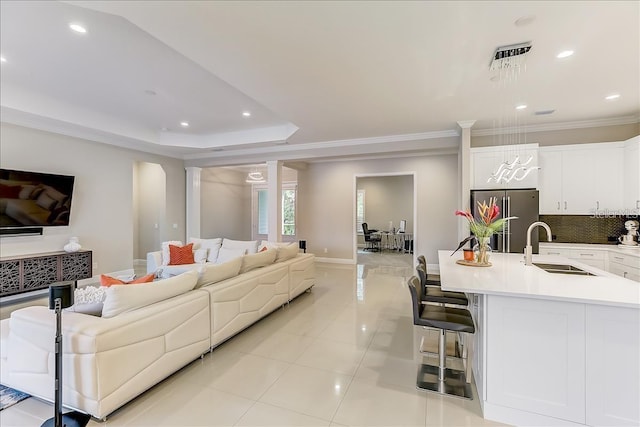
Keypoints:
pixel 34 199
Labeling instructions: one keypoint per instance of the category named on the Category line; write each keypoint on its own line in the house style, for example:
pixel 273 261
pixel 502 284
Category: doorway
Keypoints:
pixel 387 203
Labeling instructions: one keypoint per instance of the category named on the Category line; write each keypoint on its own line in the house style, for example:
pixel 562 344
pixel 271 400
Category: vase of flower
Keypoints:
pixel 482 250
pixel 483 228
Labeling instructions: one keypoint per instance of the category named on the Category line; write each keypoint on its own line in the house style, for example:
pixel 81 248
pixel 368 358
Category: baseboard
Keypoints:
pixel 519 417
pixel 336 260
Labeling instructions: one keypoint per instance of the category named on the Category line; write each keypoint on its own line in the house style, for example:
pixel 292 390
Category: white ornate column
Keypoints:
pixel 464 173
pixel 274 200
pixel 193 202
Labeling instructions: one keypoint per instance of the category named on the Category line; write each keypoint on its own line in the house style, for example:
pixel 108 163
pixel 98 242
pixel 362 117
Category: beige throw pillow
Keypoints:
pixel 287 252
pixel 214 273
pixel 257 260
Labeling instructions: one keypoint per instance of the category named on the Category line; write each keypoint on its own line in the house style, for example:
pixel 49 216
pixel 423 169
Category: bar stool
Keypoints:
pixel 440 379
pixel 430 281
pixel 435 294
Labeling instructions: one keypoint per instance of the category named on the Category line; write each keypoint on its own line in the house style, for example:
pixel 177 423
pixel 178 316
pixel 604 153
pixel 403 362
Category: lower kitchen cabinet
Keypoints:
pixel 613 366
pixel 545 362
pixel 627 266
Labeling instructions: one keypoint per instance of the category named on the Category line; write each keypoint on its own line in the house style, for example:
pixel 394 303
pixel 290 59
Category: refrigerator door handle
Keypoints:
pixel 504 236
pixel 507 227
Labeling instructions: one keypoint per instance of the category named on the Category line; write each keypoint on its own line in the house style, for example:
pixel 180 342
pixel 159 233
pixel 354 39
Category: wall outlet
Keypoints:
pixel 95 265
pixel 326 250
pixel 175 226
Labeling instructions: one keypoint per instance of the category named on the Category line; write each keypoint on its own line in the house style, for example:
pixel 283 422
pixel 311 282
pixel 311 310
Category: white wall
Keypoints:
pixel 150 182
pixel 102 213
pixel 326 203
pixel 225 204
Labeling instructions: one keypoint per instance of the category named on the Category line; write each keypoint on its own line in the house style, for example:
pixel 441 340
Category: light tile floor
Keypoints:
pixel 341 355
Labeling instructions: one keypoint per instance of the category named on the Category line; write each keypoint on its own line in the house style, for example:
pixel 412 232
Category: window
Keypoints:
pixel 359 211
pixel 261 218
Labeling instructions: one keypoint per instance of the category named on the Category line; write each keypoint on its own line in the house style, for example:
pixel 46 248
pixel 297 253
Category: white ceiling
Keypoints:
pixel 321 79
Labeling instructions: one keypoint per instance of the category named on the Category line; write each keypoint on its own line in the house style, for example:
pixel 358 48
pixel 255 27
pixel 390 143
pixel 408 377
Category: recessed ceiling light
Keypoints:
pixel 525 20
pixel 564 54
pixel 78 28
pixel 184 124
pixel 521 107
pixel 612 97
pixel 3 59
pixel 246 113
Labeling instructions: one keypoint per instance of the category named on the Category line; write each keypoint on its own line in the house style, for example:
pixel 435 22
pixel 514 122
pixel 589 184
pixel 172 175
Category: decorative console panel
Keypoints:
pixel 26 273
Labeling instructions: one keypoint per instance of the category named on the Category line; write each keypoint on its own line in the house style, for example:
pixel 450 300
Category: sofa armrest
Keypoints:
pixel 154 261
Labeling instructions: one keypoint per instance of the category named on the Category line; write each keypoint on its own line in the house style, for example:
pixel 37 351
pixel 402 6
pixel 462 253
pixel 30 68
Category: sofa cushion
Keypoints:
pixel 165 250
pixel 213 273
pixel 251 246
pixel 107 281
pixel 180 255
pixel 227 254
pixel 122 298
pixel 257 260
pixel 211 245
pixel 287 252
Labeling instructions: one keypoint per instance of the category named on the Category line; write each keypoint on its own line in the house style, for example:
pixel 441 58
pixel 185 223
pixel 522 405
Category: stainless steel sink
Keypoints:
pixel 562 269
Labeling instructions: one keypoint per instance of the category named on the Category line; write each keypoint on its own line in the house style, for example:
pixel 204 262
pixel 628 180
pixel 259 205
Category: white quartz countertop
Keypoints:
pixel 508 276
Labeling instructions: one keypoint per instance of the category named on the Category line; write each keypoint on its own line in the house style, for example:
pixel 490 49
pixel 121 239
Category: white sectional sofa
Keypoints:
pixel 109 361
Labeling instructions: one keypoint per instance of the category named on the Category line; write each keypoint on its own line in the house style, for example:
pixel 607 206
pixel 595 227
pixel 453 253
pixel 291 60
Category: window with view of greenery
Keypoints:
pixel 288 211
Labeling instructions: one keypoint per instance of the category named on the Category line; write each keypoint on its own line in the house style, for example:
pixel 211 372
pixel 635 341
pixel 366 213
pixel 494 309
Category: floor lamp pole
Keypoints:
pixel 61 296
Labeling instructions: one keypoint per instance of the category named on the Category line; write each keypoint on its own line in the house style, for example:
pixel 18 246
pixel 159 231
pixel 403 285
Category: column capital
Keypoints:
pixel 466 124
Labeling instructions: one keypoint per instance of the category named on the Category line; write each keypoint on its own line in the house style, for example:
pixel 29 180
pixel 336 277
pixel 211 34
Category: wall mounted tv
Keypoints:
pixel 33 199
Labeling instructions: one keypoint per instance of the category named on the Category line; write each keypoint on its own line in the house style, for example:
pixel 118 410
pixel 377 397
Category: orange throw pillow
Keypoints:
pixel 108 280
pixel 179 255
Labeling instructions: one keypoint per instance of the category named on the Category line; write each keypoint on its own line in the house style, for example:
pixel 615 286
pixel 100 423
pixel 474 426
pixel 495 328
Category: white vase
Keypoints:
pixel 73 245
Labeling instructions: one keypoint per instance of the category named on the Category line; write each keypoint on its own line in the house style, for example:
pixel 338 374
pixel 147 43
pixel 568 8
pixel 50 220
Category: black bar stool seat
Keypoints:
pixel 435 294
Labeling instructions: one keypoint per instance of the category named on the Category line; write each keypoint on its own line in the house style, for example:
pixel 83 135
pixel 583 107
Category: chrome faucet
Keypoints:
pixel 528 250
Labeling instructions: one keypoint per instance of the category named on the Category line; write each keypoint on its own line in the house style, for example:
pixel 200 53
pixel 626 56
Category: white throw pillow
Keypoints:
pixel 165 250
pixel 268 244
pixel 213 245
pixel 200 255
pixel 123 298
pixel 214 273
pixel 176 270
pixel 251 246
pixel 287 252
pixel 257 260
pixel 226 254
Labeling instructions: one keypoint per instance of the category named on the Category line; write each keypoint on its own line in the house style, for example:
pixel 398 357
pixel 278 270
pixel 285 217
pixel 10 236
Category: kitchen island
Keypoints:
pixel 552 348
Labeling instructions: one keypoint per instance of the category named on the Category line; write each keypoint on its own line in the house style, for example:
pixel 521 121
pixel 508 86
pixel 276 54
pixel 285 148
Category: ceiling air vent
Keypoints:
pixel 544 112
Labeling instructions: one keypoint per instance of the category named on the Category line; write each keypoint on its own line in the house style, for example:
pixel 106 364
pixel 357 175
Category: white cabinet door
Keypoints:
pixel 613 366
pixel 578 181
pixel 631 184
pixel 550 182
pixel 608 179
pixel 548 335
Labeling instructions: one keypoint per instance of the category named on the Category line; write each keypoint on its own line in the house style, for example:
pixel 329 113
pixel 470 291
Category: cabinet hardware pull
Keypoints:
pixel 597 204
pixel 586 255
pixel 565 206
pixel 637 204
pixel 618 258
pixel 554 253
pixel 559 205
pixel 624 274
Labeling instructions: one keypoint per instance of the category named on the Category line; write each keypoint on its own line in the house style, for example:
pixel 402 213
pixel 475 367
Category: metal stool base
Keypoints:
pixel 454 384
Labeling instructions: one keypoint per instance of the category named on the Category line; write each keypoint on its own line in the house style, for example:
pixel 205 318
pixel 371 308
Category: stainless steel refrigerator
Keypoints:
pixel 521 203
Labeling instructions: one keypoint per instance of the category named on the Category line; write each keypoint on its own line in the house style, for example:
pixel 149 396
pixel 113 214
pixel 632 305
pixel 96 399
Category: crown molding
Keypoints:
pixel 624 120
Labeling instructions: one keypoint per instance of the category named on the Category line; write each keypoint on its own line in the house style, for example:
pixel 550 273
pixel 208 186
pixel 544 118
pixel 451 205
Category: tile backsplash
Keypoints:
pixel 583 228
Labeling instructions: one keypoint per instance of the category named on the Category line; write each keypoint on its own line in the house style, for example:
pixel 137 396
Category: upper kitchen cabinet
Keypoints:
pixel 581 179
pixel 631 184
pixel 504 166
